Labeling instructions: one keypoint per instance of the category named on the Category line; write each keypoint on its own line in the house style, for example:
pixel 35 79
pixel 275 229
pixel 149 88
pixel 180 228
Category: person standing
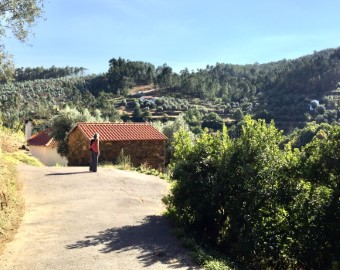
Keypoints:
pixel 94 152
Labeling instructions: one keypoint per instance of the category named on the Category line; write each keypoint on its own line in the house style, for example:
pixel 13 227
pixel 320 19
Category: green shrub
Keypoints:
pixel 264 206
pixel 215 265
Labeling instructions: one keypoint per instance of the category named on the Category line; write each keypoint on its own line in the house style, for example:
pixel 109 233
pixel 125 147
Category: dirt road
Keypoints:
pixel 80 220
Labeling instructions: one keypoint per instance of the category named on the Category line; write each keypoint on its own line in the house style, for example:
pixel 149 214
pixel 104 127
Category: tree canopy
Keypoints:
pixel 16 17
pixel 258 202
pixel 282 91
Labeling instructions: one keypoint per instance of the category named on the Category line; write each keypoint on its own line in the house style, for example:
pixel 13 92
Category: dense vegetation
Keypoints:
pixel 258 201
pixel 282 91
pixel 279 90
pixel 42 99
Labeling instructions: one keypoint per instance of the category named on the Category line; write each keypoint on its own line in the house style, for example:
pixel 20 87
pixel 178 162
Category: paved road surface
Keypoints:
pixel 80 220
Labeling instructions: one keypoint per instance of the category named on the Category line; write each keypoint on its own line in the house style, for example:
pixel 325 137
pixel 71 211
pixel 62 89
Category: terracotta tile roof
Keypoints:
pixel 42 139
pixel 121 131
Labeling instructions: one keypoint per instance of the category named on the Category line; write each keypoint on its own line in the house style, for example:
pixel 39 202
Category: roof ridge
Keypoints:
pixel 50 142
pixel 120 131
pixel 110 123
pixel 42 138
pixel 39 133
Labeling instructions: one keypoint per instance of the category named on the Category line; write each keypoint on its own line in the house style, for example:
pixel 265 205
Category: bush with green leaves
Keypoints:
pixel 169 129
pixel 193 117
pixel 300 137
pixel 212 121
pixel 67 118
pixel 263 204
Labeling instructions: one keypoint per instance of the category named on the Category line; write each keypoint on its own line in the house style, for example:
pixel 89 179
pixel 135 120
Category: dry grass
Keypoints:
pixel 11 202
pixel 10 141
pixel 141 88
pixel 24 157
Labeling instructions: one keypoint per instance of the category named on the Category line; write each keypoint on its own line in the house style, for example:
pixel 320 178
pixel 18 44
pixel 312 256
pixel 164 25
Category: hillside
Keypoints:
pixel 281 90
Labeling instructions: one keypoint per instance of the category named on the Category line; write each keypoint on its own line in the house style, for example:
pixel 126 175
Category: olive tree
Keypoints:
pixel 16 17
pixel 62 123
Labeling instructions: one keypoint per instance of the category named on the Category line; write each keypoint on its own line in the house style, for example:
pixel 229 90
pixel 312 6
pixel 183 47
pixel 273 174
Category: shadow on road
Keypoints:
pixel 151 238
pixel 66 173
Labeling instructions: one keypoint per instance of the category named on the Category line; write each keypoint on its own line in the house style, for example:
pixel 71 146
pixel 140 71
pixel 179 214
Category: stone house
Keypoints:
pixel 142 142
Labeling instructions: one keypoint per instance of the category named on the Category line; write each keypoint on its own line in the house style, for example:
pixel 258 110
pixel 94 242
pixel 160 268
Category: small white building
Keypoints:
pixel 148 98
pixel 313 105
pixel 44 148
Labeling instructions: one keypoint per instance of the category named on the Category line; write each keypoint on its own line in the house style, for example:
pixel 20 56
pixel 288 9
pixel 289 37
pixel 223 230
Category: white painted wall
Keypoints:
pixel 47 155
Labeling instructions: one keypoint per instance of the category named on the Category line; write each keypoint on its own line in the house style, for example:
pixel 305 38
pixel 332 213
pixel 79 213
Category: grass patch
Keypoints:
pixel 145 169
pixel 10 141
pixel 204 256
pixel 124 161
pixel 106 165
pixel 22 156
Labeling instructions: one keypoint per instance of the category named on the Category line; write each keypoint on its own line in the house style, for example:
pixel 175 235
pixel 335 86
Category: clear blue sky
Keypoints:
pixel 181 33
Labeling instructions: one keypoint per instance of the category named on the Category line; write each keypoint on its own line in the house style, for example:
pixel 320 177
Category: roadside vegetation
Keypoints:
pixel 11 201
pixel 257 201
pixel 260 200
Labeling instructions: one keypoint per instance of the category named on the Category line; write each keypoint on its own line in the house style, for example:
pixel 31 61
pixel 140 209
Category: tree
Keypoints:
pixel 238 115
pixel 320 109
pixel 169 129
pixel 62 123
pixel 137 114
pixel 18 16
pixel 124 74
pixel 27 74
pixel 164 76
pixel 212 120
pixel 193 117
pixel 6 66
pixel 147 114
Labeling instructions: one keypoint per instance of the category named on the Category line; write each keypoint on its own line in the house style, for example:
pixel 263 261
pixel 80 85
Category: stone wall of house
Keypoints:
pixel 151 153
pixel 78 149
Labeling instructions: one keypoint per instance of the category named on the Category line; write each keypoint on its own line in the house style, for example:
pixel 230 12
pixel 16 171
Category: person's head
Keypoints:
pixel 96 136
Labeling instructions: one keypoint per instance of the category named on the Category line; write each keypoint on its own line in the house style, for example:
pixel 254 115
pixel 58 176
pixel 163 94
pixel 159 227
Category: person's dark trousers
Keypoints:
pixel 93 161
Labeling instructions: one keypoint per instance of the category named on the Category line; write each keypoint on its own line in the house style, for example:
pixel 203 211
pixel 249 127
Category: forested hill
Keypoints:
pixel 279 90
pixel 30 74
